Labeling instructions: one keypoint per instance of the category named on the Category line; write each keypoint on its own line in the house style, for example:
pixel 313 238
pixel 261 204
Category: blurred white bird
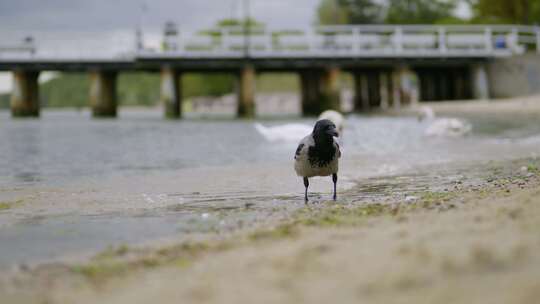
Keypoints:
pixel 286 133
pixel 425 113
pixel 293 132
pixel 443 127
pixel 448 127
pixel 335 117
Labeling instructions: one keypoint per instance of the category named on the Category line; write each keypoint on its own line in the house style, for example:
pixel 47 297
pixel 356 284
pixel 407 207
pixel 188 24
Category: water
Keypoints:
pixel 78 185
pixel 66 145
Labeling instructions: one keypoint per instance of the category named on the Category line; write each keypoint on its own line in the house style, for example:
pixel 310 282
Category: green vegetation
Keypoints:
pixel 8 205
pixel 532 168
pixel 332 12
pixel 118 261
pixel 282 231
pixel 427 11
pixel 506 11
pixel 419 11
pixel 340 215
pixel 68 87
pixel 4 101
pixel 390 12
pixel 278 82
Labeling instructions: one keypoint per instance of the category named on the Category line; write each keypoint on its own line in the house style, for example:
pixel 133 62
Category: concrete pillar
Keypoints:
pixel 310 93
pixel 458 84
pixel 103 99
pixel 384 90
pixel 25 94
pixel 373 88
pixel 414 87
pixel 361 92
pixel 171 96
pixel 431 84
pixel 330 93
pixel 445 92
pixel 320 91
pixel 246 93
pixel 405 86
pixel 480 82
pixel 396 89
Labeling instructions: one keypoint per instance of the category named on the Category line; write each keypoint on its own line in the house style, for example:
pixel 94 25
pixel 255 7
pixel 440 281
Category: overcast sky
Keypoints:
pixel 102 15
pixel 77 23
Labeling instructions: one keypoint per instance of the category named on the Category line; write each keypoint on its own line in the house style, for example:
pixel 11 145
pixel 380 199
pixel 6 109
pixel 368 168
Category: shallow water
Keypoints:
pixel 81 185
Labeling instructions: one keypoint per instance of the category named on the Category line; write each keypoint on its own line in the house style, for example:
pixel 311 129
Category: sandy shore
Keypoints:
pixel 474 240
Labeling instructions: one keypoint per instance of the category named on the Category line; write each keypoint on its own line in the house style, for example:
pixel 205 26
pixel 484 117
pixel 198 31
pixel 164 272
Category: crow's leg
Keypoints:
pixel 306 184
pixel 334 179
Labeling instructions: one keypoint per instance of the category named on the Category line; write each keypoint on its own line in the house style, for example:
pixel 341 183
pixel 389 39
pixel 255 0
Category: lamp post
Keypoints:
pixel 139 36
pixel 246 28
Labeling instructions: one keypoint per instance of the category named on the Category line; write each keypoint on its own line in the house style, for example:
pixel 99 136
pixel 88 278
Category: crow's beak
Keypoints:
pixel 333 132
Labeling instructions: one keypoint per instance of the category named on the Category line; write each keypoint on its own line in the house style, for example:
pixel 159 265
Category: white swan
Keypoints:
pixel 425 113
pixel 449 127
pixel 443 127
pixel 293 132
pixel 335 117
pixel 288 132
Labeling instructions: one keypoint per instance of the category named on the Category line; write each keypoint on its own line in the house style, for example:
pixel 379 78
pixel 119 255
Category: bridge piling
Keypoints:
pixel 384 89
pixel 170 92
pixel 480 81
pixel 433 86
pixel 25 94
pixel 330 98
pixel 320 91
pixel 405 86
pixel 458 81
pixel 103 99
pixel 396 89
pixel 374 89
pixel 361 92
pixel 246 93
pixel 310 93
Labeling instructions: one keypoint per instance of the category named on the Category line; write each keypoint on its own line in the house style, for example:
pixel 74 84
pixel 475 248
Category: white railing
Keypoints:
pixel 25 47
pixel 356 41
pixel 72 46
pixel 365 41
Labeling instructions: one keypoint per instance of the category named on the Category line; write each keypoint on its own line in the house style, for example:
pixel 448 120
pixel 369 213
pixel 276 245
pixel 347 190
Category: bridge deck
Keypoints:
pixel 346 46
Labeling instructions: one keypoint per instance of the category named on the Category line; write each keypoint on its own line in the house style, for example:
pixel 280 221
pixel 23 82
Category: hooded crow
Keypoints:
pixel 318 154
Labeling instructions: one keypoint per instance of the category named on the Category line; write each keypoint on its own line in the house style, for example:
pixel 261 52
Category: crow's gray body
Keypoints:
pixel 307 165
pixel 318 154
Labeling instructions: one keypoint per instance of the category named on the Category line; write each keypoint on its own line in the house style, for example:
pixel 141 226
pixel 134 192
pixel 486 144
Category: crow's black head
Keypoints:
pixel 324 129
pixel 324 150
